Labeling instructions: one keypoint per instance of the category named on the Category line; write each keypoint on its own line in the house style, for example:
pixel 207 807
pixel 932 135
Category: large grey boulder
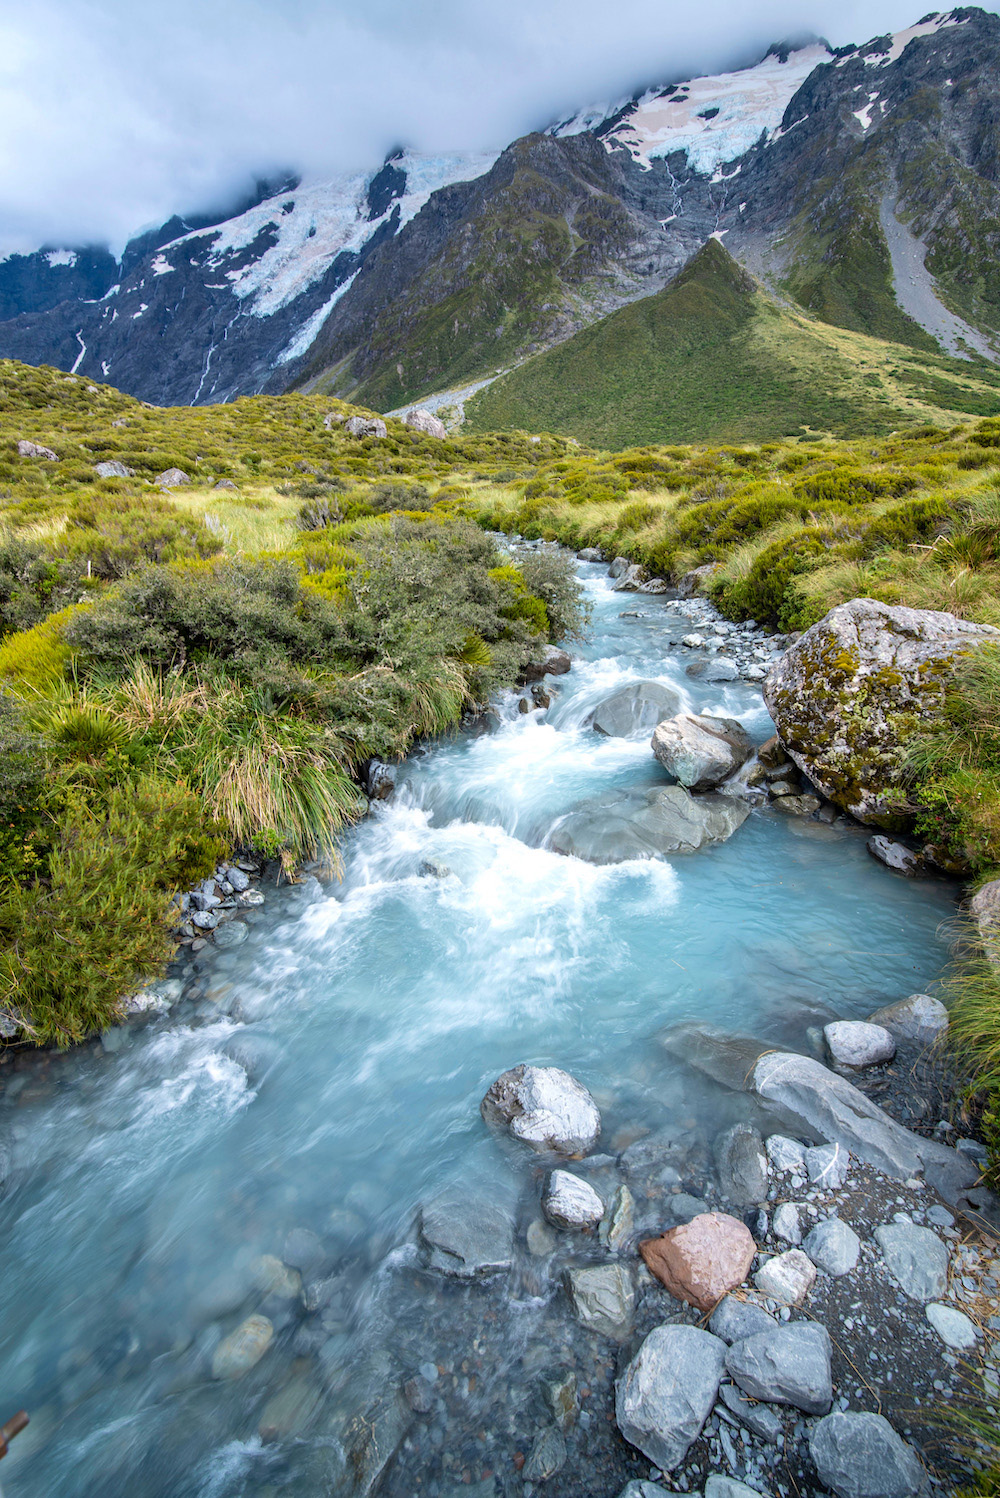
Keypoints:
pixel 666 1393
pixel 466 1236
pixel 916 1259
pixel 28 449
pixel 741 1161
pixel 603 1298
pixel 850 693
pixel 624 824
pixel 544 1107
pixel 631 580
pixel 426 422
pixel 701 752
pixel 635 709
pixel 861 1456
pixel 785 1365
pixel 896 856
pixel 365 426
pixel 113 469
pixel 734 1320
pixel 919 1018
pixel 172 478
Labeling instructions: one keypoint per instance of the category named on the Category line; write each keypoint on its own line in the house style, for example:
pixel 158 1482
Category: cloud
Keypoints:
pixel 115 114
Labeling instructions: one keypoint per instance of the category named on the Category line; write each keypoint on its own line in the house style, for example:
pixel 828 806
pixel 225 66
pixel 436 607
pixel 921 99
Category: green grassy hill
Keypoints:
pixel 712 358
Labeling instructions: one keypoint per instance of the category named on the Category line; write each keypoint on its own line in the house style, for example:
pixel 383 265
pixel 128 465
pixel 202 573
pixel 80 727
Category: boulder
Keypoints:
pixel 861 1456
pixel 833 1246
pixel 728 1059
pixel 919 1018
pixel 787 1278
pixel 426 422
pixel 718 1486
pixel 625 824
pixel 365 426
pixel 28 449
pixel 225 484
pixel 631 580
pixel 787 1364
pixel 547 1455
pixel 556 662
pixel 954 1328
pixel 243 1348
pixel 373 1436
pixel 701 752
pixel 634 709
pixel 380 780
pixel 172 478
pixel 734 1320
pixel 741 1161
pixel 618 568
pixel 853 1042
pixel 984 908
pixel 896 856
pixel 545 1108
pixel 697 580
pixel 112 469
pixel 642 1489
pixel 603 1298
pixel 666 1393
pixel 590 554
pixel 916 1259
pixel 796 806
pixel 571 1203
pixel 702 1260
pixel 849 694
pixel 719 668
pixel 465 1236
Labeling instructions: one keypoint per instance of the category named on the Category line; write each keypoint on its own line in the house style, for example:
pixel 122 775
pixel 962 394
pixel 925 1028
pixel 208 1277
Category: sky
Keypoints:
pixel 115 114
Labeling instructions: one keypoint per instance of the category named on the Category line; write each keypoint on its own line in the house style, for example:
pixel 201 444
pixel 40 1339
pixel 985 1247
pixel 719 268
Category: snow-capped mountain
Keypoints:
pixel 429 272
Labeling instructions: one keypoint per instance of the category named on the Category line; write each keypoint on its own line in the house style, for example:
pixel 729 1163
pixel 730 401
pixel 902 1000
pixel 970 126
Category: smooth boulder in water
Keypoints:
pixel 623 824
pixel 634 709
pixel 699 751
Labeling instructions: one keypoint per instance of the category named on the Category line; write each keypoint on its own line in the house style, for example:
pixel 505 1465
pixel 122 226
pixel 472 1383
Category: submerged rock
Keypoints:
pixel 849 694
pixel 603 1298
pixel 701 752
pixel 243 1348
pixel 466 1236
pixel 861 1456
pixel 625 824
pixel 636 708
pixel 702 1260
pixel 741 1161
pixel 666 1393
pixel 545 1108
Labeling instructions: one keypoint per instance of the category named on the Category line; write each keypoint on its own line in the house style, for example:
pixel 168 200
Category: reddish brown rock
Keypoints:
pixel 703 1260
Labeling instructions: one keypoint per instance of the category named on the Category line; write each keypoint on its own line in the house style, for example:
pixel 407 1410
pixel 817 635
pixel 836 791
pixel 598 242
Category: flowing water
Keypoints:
pixel 327 1076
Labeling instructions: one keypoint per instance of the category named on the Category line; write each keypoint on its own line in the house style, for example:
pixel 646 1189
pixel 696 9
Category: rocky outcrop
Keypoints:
pixel 624 824
pixel 853 690
pixel 701 752
pixel 545 1108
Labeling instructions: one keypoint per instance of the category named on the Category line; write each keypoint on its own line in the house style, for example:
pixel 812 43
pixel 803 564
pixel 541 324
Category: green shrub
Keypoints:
pixel 768 592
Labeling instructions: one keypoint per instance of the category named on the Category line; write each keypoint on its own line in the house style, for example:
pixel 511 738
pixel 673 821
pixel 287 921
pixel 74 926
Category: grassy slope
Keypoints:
pixel 711 358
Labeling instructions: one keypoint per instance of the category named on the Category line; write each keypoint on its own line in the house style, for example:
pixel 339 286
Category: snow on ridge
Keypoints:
pixel 61 257
pixel 314 223
pixel 747 104
pixel 900 40
pixel 161 266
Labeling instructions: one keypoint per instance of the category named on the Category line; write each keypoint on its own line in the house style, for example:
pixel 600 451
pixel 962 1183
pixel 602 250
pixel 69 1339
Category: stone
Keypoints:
pixel 849 694
pixel 172 478
pixel 618 1220
pixel 666 1393
pixel 693 641
pixel 718 1486
pixel 634 709
pixel 603 1298
pixel 702 1260
pixel 833 1246
pixel 273 1277
pixel 624 824
pixel 364 426
pixel 787 1364
pixel 28 449
pixel 204 920
pixel 954 1328
pixel 545 1108
pixel 590 554
pixel 786 1155
pixel 720 668
pixel 419 1395
pixel 787 1278
pixel 827 1165
pixel 561 1397
pixel 655 585
pixel 238 879
pixel 465 1236
pixel 684 1208
pixel 916 1259
pixel 232 934
pixel 696 581
pixel 733 1320
pixel 618 568
pixel 571 1203
pixel 373 1437
pixel 631 580
pixel 243 1348
pixel 919 1018
pixel 225 484
pixel 303 1250
pixel 112 469
pixel 854 1042
pixel 741 1161
pixel 796 806
pixel 288 1412
pixel 896 856
pixel 547 1456
pixel 641 1489
pixel 701 752
pixel 786 1224
pixel 556 662
pixel 380 780
pixel 984 908
pixel 756 1417
pixel 426 422
pixel 861 1456
pixel 540 1239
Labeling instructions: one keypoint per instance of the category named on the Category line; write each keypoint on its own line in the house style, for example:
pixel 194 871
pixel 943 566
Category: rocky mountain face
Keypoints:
pixel 861 185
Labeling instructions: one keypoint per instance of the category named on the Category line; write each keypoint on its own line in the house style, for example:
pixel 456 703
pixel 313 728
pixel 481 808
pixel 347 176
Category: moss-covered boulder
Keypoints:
pixel 849 694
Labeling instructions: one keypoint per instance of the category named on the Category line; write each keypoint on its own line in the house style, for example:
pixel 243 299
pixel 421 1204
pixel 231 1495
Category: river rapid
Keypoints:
pixel 320 1082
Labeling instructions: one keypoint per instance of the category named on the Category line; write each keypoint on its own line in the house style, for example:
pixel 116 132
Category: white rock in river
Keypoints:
pixel 544 1107
pixel 953 1327
pixel 570 1202
pixel 918 1018
pixel 701 752
pixel 858 1043
pixel 861 1456
pixel 666 1393
pixel 787 1278
pixel 626 823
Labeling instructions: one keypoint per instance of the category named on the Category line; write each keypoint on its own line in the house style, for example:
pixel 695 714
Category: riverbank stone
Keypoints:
pixel 465 1236
pixel 603 1298
pixel 734 1320
pixel 833 1246
pixel 919 1018
pixel 787 1278
pixel 741 1161
pixel 571 1203
pixel 718 1486
pixel 547 1455
pixel 699 751
pixel 786 1224
pixel 666 1393
pixel 634 709
pixel 623 824
pixel 787 1156
pixel 955 1329
pixel 618 1221
pixel 916 1259
pixel 545 1108
pixel 859 1043
pixel 702 1260
pixel 243 1348
pixel 785 1365
pixel 861 1456
pixel 756 1417
pixel 827 1165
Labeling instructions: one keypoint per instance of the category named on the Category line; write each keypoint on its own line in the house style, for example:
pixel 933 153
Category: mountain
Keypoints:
pixel 859 186
pixel 713 357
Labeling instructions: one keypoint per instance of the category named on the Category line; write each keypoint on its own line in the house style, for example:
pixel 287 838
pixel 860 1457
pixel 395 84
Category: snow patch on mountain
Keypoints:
pixel 60 257
pixel 900 40
pixel 303 339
